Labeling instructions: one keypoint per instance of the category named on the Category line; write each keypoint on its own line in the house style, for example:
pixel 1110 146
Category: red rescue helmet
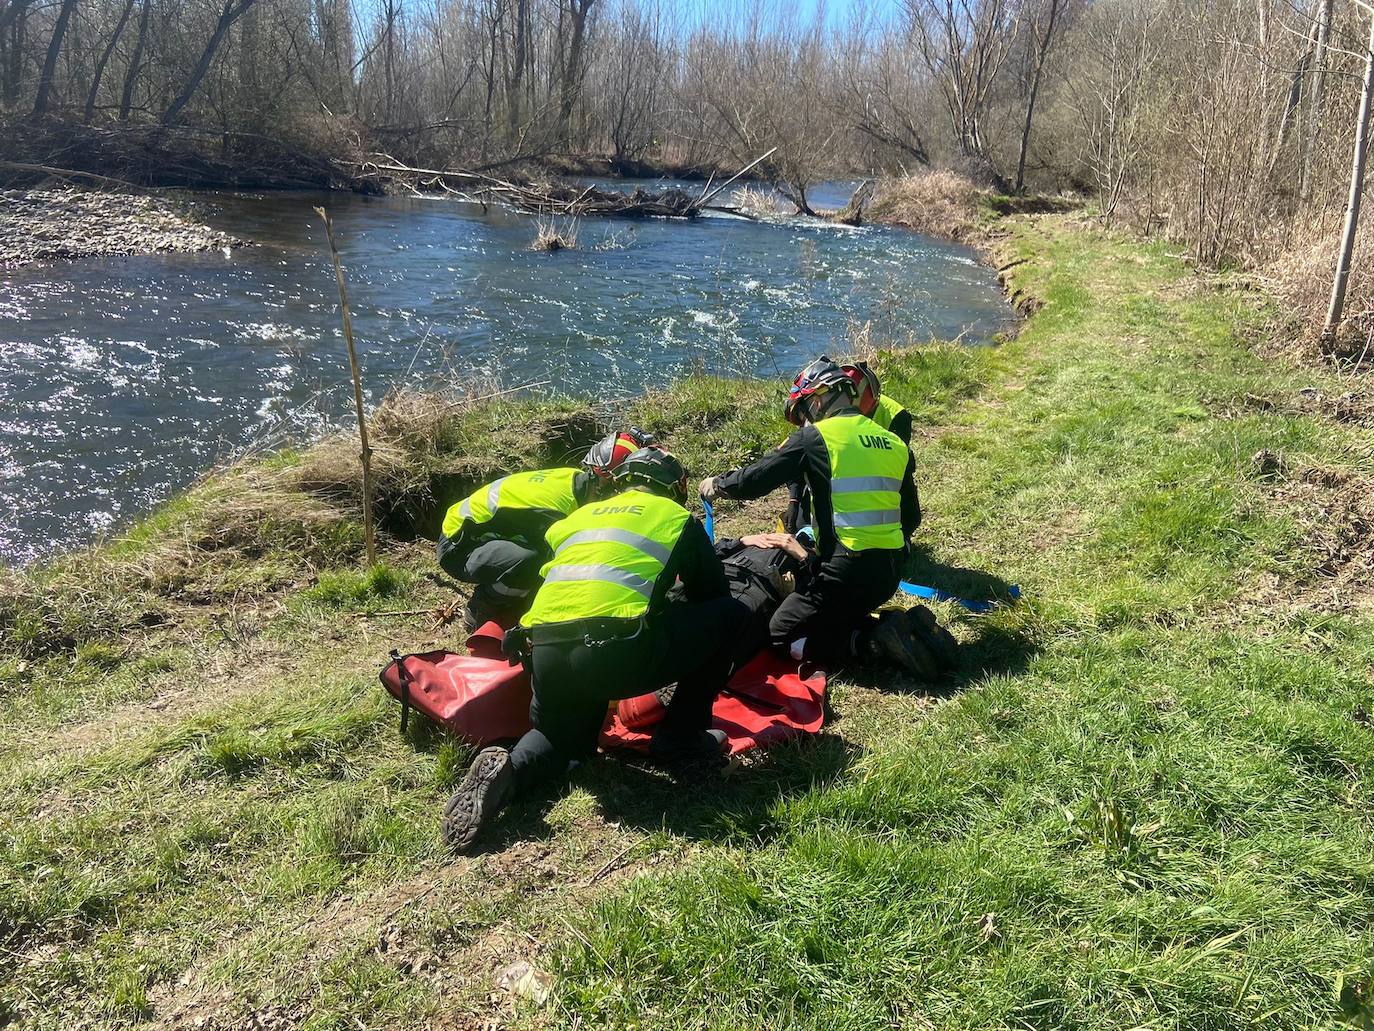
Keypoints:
pixel 817 388
pixel 612 449
pixel 866 382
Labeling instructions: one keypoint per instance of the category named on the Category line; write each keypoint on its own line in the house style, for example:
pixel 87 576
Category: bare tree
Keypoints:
pixel 1043 21
pixel 126 97
pixel 1111 96
pixel 94 93
pixel 964 44
pixel 571 84
pixel 231 12
pixel 1335 310
pixel 46 77
pixel 1323 27
pixel 885 94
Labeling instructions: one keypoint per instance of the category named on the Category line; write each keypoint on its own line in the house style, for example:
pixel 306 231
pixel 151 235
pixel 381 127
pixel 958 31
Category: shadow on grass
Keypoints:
pixel 741 804
pixel 736 804
pixel 994 650
pixel 974 584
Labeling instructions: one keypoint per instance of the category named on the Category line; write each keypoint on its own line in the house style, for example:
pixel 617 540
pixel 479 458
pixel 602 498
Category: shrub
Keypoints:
pixel 939 203
pixel 1301 278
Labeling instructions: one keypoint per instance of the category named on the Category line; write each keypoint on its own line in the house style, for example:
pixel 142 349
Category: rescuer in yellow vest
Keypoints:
pixel 602 628
pixel 886 411
pixel 861 480
pixel 494 538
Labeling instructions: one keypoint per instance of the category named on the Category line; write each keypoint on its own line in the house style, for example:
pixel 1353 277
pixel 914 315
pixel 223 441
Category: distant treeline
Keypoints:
pixel 1225 122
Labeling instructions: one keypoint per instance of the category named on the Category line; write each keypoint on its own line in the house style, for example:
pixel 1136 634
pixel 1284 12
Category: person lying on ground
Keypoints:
pixel 861 479
pixel 494 538
pixel 886 411
pixel 602 628
pixel 762 569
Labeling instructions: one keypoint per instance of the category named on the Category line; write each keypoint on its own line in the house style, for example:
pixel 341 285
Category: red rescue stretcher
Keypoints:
pixel 482 698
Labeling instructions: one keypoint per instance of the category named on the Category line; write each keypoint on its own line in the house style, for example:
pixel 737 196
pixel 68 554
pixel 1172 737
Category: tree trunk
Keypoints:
pixel 233 10
pixel 99 73
pixel 1293 101
pixel 515 81
pixel 17 28
pixel 389 60
pixel 126 98
pixel 12 11
pixel 1041 54
pixel 572 69
pixel 1315 111
pixel 1352 208
pixel 45 80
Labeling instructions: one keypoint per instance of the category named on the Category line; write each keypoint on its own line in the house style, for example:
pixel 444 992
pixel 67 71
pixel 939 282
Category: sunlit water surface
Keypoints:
pixel 122 379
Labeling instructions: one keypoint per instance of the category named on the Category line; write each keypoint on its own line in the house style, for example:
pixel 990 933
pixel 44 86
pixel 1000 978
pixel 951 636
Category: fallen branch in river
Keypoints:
pixel 552 197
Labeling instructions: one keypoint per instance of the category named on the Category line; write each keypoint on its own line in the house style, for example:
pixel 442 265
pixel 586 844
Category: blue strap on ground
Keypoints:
pixel 710 519
pixel 973 605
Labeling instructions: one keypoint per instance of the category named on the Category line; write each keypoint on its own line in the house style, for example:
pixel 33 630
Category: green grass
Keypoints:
pixel 1144 803
pixel 1166 811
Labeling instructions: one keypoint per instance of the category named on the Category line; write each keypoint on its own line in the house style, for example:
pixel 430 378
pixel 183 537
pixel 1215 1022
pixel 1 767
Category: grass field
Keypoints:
pixel 1145 802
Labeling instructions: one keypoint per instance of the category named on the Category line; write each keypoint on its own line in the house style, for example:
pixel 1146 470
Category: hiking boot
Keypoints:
pixel 669 747
pixel 892 643
pixel 486 788
pixel 941 644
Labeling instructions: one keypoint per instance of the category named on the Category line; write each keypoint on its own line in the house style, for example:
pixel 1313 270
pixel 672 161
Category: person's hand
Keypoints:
pixel 708 488
pixel 782 541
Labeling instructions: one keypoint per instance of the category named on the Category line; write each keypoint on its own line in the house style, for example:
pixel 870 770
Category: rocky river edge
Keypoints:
pixel 55 224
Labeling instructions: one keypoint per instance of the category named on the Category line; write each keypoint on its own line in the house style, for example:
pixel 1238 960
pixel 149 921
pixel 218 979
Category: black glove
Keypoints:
pixel 515 645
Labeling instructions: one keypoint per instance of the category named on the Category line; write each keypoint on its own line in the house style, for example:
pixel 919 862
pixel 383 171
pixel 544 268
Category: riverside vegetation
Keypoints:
pixel 1145 801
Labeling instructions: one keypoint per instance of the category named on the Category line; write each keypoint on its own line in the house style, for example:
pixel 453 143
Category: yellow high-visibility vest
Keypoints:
pixel 867 464
pixel 607 557
pixel 549 490
pixel 887 410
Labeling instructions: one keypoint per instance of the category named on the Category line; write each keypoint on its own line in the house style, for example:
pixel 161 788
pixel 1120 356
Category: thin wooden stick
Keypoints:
pixel 758 160
pixel 366 453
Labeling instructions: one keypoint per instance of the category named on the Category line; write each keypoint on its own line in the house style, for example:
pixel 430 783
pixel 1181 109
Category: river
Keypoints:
pixel 123 379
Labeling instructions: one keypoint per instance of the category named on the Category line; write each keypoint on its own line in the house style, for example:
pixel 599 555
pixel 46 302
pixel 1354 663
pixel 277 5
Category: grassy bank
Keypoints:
pixel 1144 802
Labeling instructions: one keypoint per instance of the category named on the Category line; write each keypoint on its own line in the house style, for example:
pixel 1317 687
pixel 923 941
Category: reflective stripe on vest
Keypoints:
pixel 607 558
pixel 549 490
pixel 887 410
pixel 634 540
pixel 867 466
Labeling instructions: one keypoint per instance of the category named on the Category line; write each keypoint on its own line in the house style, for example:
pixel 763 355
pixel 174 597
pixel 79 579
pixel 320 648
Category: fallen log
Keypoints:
pixel 551 197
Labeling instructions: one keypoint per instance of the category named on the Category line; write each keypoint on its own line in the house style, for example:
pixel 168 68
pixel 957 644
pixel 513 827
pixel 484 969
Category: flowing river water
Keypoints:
pixel 123 379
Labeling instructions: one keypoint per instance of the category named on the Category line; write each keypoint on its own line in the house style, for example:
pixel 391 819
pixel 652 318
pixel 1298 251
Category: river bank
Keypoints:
pixel 73 222
pixel 128 379
pixel 62 224
pixel 1143 800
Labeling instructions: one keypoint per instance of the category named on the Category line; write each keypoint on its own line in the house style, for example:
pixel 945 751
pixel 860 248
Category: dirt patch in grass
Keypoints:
pixel 1352 407
pixel 1336 507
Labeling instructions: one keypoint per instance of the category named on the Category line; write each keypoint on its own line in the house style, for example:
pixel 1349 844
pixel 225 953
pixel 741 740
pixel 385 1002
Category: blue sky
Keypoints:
pixel 837 12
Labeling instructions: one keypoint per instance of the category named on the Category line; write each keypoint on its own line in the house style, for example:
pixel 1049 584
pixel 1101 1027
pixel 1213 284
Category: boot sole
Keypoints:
pixel 467 811
pixel 909 654
pixel 942 645
pixel 692 753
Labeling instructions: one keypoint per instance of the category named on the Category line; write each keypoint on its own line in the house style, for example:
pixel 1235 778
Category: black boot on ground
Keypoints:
pixel 941 644
pixel 668 747
pixel 891 643
pixel 486 788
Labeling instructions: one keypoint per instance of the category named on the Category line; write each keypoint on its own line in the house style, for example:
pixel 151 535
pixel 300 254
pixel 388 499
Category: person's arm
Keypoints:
pixel 781 541
pixel 901 425
pixel 450 555
pixel 911 500
pixel 695 563
pixel 784 464
pixel 582 485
